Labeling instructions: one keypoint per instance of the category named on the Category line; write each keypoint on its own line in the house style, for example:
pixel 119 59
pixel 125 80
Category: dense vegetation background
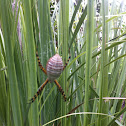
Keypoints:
pixel 94 80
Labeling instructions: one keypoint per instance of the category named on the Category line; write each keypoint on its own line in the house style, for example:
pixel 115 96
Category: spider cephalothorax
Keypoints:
pixel 53 70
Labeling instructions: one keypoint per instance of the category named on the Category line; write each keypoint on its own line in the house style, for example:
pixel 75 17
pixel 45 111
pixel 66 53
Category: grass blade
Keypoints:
pixel 9 46
pixel 90 29
pixel 30 45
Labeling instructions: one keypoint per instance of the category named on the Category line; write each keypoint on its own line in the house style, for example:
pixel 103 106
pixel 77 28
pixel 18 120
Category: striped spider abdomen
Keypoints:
pixel 54 67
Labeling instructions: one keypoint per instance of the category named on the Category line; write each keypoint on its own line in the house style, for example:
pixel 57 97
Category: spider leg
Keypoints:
pixel 60 89
pixel 39 91
pixel 39 63
pixel 67 62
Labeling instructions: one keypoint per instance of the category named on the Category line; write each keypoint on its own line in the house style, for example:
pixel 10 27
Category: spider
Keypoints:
pixel 54 68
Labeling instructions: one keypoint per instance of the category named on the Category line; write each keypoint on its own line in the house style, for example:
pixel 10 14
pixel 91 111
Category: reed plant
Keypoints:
pixel 93 33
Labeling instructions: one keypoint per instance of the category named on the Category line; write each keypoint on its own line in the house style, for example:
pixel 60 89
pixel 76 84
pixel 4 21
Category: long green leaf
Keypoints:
pixel 78 26
pixel 102 75
pixel 8 29
pixel 90 29
pixel 30 45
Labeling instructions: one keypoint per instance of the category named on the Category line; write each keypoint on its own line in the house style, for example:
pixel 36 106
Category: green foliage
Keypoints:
pixel 94 80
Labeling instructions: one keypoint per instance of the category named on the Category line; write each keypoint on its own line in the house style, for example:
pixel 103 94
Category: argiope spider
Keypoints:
pixel 54 68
